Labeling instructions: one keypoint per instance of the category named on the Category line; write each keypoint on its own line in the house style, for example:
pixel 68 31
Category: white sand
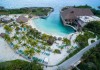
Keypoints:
pixel 6 53
pixel 2 30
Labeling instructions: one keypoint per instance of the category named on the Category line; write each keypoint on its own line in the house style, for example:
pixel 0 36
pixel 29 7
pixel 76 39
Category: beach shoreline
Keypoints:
pixel 32 23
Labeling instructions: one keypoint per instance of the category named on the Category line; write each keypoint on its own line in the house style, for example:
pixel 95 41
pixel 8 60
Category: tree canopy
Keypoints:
pixel 93 26
pixel 20 65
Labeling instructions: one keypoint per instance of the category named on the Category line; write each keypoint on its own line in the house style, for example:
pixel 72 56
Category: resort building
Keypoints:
pixel 22 19
pixel 78 17
pixel 83 20
pixel 5 19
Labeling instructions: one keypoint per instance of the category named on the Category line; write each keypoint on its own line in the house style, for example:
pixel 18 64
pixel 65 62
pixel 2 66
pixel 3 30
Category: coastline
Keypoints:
pixel 32 23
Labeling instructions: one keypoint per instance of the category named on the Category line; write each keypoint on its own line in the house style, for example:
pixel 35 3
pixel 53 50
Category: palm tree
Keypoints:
pixel 23 38
pixel 15 37
pixel 45 37
pixel 33 43
pixel 7 38
pixel 17 32
pixel 66 41
pixel 30 52
pixel 44 47
pixel 7 28
pixel 38 51
pixel 16 47
pixel 17 28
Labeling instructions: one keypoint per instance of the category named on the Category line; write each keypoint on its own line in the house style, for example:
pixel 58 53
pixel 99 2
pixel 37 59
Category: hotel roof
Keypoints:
pixel 22 19
pixel 75 12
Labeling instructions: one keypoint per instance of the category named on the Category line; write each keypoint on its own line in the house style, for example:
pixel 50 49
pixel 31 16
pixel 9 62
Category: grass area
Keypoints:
pixel 34 11
pixel 20 65
pixel 91 59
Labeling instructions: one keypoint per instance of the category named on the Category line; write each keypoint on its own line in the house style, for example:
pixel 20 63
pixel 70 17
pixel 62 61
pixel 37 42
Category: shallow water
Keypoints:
pixel 52 24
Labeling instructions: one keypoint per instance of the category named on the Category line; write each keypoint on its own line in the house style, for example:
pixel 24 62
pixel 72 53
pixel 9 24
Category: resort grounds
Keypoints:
pixel 34 48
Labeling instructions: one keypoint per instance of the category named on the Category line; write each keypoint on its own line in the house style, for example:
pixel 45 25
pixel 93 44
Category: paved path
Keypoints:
pixel 70 62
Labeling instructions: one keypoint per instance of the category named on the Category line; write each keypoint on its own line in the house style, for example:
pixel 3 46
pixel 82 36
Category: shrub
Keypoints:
pixel 92 41
pixel 57 51
pixel 20 65
pixel 66 41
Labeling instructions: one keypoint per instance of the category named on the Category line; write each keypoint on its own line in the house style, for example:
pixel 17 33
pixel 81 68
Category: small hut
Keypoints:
pixel 2 35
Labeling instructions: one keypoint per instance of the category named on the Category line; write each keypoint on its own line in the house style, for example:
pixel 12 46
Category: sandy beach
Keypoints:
pixel 32 23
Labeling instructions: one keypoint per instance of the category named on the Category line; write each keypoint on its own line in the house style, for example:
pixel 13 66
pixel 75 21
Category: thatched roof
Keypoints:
pixel 22 19
pixel 71 13
pixel 2 34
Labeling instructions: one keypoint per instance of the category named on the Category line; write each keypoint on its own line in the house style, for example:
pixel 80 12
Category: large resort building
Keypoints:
pixel 77 17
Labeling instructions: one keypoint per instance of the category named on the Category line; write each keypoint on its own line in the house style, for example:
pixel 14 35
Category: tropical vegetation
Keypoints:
pixel 20 65
pixel 91 59
pixel 82 40
pixel 93 26
pixel 34 11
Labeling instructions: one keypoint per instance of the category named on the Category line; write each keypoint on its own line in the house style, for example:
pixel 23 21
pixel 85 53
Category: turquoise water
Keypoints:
pixel 52 24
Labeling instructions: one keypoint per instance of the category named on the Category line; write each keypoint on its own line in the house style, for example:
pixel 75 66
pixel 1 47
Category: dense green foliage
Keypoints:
pixel 91 59
pixel 94 27
pixel 7 28
pixel 82 40
pixel 20 65
pixel 83 6
pixel 34 11
pixel 57 51
pixel 96 12
pixel 66 41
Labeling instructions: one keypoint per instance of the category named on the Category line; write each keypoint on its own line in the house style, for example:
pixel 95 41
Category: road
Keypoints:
pixel 70 62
